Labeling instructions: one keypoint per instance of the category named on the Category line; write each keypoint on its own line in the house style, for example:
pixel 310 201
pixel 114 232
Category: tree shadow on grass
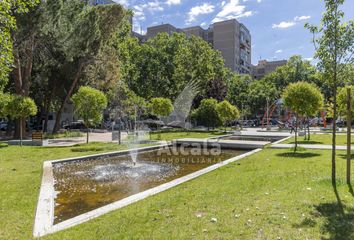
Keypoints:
pixel 351 189
pixel 307 142
pixel 339 222
pixel 298 155
pixel 344 156
pixel 339 219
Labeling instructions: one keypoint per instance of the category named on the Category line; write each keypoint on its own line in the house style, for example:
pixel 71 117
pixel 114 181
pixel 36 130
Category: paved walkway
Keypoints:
pixel 309 146
pixel 93 137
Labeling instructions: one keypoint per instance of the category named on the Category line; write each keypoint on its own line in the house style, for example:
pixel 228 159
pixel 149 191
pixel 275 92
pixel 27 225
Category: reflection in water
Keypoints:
pixel 83 186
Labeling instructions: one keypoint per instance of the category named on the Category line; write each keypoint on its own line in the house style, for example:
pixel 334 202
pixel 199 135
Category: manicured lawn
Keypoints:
pixel 170 135
pixel 325 139
pixel 274 194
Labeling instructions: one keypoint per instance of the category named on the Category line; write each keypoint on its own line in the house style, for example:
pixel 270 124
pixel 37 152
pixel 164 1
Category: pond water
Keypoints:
pixel 83 186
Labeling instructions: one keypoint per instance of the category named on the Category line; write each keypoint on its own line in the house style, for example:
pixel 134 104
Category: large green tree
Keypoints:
pixel 164 65
pixel 260 93
pixel 82 36
pixel 238 87
pixel 9 9
pixel 296 70
pixel 334 42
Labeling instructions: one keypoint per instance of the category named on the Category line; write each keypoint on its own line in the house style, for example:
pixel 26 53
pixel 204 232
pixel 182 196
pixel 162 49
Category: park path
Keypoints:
pixel 93 137
pixel 309 146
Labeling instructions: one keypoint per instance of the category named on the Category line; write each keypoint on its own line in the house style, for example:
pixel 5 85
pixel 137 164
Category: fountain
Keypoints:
pixel 83 186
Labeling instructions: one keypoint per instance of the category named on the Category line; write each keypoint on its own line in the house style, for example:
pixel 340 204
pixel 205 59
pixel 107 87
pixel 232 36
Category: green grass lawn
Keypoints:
pixel 170 135
pixel 325 139
pixel 274 194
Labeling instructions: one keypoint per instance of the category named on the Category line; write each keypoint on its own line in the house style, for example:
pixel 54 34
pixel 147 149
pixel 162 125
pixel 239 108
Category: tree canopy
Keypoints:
pixel 89 105
pixel 8 11
pixel 164 65
pixel 343 101
pixel 161 107
pixel 227 112
pixel 303 98
pixel 207 113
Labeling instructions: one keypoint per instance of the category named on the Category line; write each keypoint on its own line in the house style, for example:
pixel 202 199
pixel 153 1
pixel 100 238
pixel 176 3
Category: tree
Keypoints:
pixel 161 107
pixel 342 100
pixel 89 105
pixel 304 99
pixel 4 101
pixel 207 113
pixel 8 11
pixel 260 92
pixel 164 65
pixel 237 91
pixel 346 107
pixel 20 107
pixel 227 112
pixel 334 50
pixel 81 33
pixel 216 89
pixel 296 70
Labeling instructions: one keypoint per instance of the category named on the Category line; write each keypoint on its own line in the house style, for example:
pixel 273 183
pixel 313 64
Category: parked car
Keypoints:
pixel 3 126
pixel 340 123
pixel 75 125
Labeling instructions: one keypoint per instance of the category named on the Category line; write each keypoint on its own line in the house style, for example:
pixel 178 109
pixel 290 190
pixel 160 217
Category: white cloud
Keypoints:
pixel 122 2
pixel 154 6
pixel 301 18
pixel 232 9
pixel 284 25
pixel 287 24
pixel 173 2
pixel 278 51
pixel 205 8
pixel 203 24
pixel 259 1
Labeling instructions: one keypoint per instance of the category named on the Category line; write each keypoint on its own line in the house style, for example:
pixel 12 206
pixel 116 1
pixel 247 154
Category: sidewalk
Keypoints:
pixel 309 146
pixel 93 137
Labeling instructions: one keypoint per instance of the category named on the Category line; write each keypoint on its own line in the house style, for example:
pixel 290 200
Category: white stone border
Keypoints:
pixel 44 220
pixel 281 140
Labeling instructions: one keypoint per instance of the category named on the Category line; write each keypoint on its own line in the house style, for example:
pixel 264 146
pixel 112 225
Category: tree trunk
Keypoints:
pixel 296 129
pixel 22 77
pixel 21 133
pixel 305 129
pixel 67 97
pixel 87 135
pixel 349 137
pixel 334 129
pixel 308 129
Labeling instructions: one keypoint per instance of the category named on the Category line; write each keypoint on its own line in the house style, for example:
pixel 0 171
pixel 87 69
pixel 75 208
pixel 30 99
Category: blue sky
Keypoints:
pixel 277 26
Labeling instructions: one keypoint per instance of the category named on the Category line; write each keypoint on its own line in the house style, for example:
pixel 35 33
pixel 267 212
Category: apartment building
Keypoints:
pixel 230 37
pixel 233 40
pixel 167 28
pixel 265 67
